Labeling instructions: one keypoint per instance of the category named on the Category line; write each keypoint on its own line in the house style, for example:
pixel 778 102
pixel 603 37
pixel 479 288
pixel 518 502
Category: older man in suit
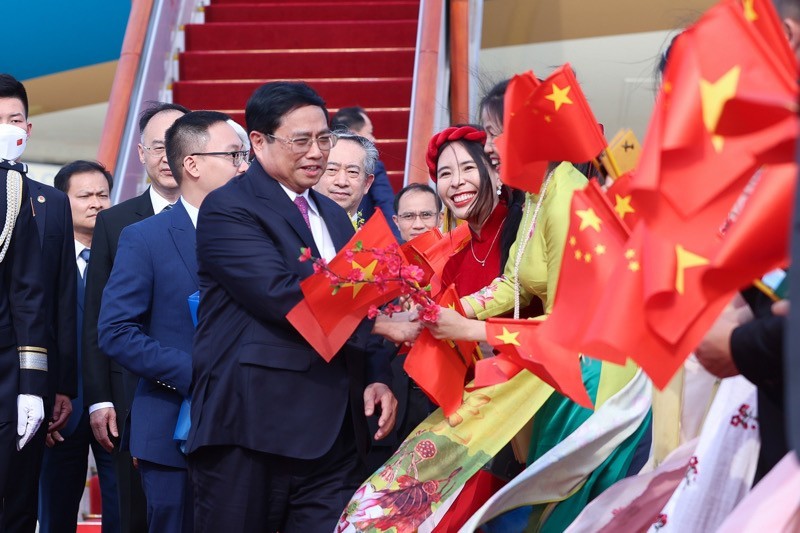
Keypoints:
pixel 108 387
pixel 145 324
pixel 275 428
pixel 51 212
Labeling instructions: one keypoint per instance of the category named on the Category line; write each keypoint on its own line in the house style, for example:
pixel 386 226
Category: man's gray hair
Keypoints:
pixel 369 147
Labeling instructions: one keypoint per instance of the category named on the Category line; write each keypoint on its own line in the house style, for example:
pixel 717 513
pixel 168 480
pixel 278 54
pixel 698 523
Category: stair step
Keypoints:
pixel 295 35
pixel 392 153
pixel 374 92
pixel 388 123
pixel 395 179
pixel 285 11
pixel 295 64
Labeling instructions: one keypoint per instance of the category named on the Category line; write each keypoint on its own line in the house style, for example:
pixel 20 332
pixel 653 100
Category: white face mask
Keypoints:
pixel 12 141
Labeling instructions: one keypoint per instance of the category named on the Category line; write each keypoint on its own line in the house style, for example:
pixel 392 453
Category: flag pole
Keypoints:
pixel 612 162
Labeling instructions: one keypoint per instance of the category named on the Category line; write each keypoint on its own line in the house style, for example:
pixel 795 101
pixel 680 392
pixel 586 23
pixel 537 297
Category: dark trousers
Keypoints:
pixel 63 480
pixel 22 492
pixel 169 498
pixel 132 504
pixel 236 489
pixel 8 439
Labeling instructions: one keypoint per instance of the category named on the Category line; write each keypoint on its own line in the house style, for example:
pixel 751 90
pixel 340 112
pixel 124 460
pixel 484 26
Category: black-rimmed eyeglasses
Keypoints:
pixel 237 157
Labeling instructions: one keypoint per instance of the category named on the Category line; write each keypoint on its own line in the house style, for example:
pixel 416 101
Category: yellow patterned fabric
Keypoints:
pixel 541 259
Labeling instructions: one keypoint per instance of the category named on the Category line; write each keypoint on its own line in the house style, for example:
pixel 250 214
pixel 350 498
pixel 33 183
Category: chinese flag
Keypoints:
pixel 439 367
pixel 763 20
pixel 544 122
pixel 327 317
pixel 431 250
pixel 757 241
pixel 620 329
pixel 621 197
pixel 594 241
pixel 520 342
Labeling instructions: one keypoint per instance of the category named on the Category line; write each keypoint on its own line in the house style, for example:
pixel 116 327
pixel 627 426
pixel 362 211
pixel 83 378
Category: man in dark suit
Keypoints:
pixel 87 184
pixel 275 429
pixel 52 215
pixel 108 387
pixel 145 324
pixel 23 356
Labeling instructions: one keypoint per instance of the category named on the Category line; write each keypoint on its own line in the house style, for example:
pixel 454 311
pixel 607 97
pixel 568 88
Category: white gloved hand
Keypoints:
pixel 30 413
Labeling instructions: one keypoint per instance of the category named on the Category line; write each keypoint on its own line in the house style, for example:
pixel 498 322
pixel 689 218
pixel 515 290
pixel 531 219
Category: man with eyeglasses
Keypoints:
pixel 418 209
pixel 109 387
pixel 349 173
pixel 277 433
pixel 145 324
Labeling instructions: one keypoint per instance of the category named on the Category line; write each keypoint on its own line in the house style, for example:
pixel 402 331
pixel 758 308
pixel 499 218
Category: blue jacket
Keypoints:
pixel 145 326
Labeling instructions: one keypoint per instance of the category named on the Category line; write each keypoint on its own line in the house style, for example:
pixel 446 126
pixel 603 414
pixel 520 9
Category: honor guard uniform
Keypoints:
pixel 23 358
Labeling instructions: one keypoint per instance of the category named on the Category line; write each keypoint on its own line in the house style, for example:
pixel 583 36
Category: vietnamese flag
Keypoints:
pixel 545 122
pixel 431 251
pixel 686 163
pixel 439 367
pixel 520 342
pixel 326 317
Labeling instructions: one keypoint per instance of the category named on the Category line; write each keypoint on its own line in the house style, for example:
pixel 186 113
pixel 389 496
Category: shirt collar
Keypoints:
pixel 292 195
pixel 158 201
pixel 192 210
pixel 79 247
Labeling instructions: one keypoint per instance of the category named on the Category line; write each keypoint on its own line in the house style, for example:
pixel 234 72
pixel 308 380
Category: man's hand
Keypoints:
pixel 380 394
pixel 714 351
pixel 61 411
pixel 52 438
pixel 781 308
pixel 30 414
pixel 399 328
pixel 104 423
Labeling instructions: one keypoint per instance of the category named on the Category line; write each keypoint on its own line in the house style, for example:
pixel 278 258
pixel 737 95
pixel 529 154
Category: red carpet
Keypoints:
pixel 355 52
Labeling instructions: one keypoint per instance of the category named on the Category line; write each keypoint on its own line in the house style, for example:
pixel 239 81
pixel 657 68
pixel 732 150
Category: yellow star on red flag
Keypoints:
pixel 559 96
pixel 509 337
pixel 623 206
pixel 368 276
pixel 589 219
pixel 713 96
pixel 749 11
pixel 686 259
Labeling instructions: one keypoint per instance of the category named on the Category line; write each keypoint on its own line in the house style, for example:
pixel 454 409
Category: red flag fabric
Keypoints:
pixel 757 241
pixel 621 329
pixel 439 367
pixel 477 491
pixel 543 122
pixel 764 20
pixel 621 196
pixel 327 317
pixel 685 161
pixel 519 341
pixel 431 250
pixel 594 241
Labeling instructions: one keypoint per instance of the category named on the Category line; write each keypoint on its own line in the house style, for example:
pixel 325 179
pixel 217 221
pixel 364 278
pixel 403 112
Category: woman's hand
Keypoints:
pixel 452 325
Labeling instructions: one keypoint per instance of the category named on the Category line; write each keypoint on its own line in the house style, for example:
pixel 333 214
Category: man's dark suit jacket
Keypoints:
pixel 53 217
pixel 257 383
pixel 21 305
pixel 757 351
pixel 103 379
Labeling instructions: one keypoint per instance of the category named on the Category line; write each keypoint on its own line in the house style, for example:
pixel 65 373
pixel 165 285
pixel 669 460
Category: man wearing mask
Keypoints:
pixel 53 220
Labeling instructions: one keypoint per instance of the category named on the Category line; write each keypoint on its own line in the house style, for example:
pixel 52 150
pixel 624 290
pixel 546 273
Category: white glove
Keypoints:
pixel 30 413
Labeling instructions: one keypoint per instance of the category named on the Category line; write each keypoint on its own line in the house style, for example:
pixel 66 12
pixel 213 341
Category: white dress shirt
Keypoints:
pixel 192 210
pixel 158 201
pixel 82 264
pixel 322 237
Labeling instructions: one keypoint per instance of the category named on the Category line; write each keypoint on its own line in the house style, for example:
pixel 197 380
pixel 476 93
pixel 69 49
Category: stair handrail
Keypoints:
pixel 444 81
pixel 152 38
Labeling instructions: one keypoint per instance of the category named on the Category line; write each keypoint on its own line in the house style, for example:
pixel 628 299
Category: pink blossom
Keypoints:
pixel 430 313
pixel 305 255
pixel 356 275
pixel 373 311
pixel 412 272
pixel 349 256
